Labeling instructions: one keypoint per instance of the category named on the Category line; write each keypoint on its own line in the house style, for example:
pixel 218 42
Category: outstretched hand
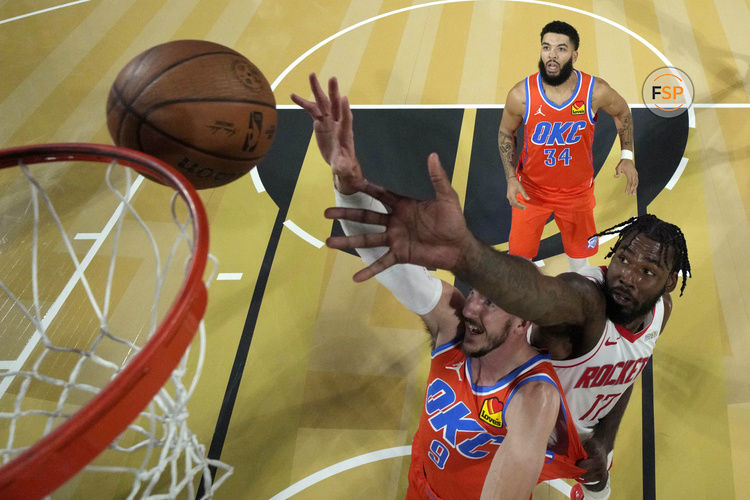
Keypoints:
pixel 430 233
pixel 332 123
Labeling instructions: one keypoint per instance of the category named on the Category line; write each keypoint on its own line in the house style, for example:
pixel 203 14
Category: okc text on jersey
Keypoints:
pixel 557 133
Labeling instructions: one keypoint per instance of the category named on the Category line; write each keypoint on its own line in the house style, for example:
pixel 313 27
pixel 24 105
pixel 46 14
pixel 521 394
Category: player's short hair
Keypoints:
pixel 562 28
pixel 668 235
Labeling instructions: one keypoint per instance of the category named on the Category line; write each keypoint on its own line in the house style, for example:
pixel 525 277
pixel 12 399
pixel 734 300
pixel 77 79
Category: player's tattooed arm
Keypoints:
pixel 625 130
pixel 516 285
pixel 612 103
pixel 515 106
pixel 512 117
pixel 507 146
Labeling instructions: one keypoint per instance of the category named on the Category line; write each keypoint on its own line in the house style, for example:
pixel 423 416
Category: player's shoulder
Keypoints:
pixel 536 394
pixel 518 91
pixel 587 284
pixel 586 279
pixel 602 91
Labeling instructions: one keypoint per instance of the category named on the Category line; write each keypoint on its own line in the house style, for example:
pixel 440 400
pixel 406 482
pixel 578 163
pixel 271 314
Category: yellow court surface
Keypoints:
pixel 313 384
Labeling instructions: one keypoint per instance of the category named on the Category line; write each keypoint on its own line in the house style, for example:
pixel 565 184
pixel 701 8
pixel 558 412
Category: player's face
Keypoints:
pixel 486 326
pixel 636 277
pixel 557 58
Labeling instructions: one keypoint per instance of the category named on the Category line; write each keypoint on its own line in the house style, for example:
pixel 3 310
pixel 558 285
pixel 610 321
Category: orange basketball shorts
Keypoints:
pixel 574 218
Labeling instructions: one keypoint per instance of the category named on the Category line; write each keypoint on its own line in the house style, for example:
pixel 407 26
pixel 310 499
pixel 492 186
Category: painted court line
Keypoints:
pixel 607 237
pixel 677 174
pixel 313 49
pixel 86 236
pixel 229 276
pixel 303 234
pixel 351 463
pixel 51 313
pixel 368 458
pixel 42 11
pixel 255 176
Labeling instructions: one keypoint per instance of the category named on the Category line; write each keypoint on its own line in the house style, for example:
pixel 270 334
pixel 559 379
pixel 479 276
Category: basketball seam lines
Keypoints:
pixel 155 77
pixel 143 119
pixel 120 94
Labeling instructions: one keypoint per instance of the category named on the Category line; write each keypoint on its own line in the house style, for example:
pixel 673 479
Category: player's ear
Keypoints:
pixel 522 325
pixel 671 282
pixel 575 56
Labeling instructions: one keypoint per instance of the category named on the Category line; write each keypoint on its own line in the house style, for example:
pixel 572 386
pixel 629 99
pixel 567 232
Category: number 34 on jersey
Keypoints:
pixel 557 134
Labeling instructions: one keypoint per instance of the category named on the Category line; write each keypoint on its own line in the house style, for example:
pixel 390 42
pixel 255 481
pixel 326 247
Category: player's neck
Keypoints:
pixel 559 94
pixel 638 323
pixel 497 364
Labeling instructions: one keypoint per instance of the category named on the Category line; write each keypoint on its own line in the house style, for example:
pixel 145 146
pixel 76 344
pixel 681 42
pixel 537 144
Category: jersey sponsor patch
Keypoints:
pixel 492 412
pixel 578 108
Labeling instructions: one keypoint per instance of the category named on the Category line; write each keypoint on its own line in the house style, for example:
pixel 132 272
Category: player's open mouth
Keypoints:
pixel 474 329
pixel 552 66
pixel 620 297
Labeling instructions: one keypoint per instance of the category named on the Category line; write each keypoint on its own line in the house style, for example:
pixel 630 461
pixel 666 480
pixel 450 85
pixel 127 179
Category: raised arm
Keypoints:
pixel 517 285
pixel 515 106
pixel 434 234
pixel 516 466
pixel 436 302
pixel 612 103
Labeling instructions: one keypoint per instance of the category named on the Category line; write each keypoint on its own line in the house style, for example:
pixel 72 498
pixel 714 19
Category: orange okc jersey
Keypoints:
pixel 463 425
pixel 557 140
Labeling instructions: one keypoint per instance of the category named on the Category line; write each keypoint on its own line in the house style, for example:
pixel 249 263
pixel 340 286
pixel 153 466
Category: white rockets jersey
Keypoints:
pixel 594 382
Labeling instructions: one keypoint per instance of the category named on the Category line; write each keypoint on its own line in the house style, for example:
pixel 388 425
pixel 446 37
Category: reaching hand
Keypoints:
pixel 332 122
pixel 596 463
pixel 429 233
pixel 627 167
pixel 514 188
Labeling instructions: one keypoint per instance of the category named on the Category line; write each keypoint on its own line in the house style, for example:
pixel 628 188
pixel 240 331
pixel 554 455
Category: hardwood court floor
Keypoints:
pixel 335 370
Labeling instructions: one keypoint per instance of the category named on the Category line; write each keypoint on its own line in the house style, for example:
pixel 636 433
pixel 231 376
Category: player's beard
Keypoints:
pixel 489 342
pixel 623 315
pixel 565 71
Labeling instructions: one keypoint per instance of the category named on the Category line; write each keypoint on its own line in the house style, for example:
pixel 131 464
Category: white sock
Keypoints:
pixel 596 495
pixel 576 265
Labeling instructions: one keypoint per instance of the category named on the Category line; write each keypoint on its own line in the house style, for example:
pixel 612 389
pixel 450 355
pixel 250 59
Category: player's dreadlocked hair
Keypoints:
pixel 656 229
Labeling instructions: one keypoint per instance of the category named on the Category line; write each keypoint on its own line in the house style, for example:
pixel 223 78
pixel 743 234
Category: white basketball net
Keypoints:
pixel 74 309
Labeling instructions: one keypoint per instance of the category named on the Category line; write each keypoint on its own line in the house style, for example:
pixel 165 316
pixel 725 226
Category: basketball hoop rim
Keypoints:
pixel 62 453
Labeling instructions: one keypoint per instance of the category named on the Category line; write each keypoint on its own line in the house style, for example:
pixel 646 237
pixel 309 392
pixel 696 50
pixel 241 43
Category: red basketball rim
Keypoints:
pixel 61 454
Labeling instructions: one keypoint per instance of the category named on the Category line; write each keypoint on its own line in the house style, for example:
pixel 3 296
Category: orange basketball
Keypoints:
pixel 199 106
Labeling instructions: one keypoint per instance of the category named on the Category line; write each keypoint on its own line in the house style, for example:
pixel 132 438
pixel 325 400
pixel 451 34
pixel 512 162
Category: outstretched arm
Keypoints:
pixel 612 103
pixel 334 133
pixel 434 234
pixel 518 462
pixel 436 302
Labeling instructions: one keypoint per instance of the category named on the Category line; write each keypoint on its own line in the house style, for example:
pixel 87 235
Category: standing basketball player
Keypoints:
pixel 494 421
pixel 555 173
pixel 603 325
